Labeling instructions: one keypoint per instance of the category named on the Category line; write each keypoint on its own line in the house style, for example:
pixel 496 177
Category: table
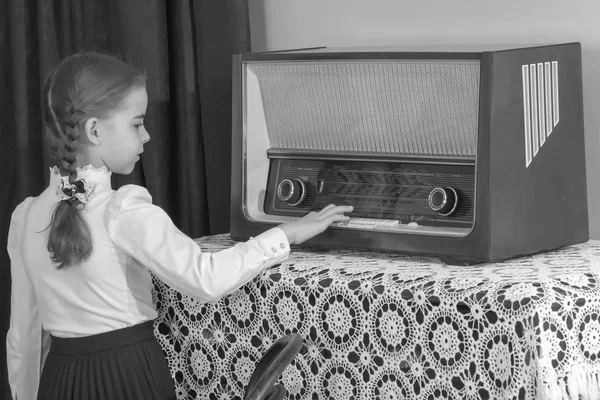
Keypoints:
pixel 389 326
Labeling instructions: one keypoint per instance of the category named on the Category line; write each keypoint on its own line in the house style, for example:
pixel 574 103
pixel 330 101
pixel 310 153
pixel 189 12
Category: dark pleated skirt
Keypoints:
pixel 123 364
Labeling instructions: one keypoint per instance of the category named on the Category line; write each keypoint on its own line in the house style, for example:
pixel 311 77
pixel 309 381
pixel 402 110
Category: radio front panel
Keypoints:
pixel 356 112
pixel 390 195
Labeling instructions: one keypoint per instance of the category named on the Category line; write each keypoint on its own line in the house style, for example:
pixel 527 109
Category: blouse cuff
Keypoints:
pixel 275 243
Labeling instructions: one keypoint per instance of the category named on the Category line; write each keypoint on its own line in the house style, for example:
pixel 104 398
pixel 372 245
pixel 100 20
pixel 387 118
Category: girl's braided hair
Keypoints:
pixel 81 86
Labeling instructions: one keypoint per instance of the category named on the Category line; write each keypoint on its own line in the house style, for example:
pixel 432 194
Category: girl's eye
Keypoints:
pixel 138 126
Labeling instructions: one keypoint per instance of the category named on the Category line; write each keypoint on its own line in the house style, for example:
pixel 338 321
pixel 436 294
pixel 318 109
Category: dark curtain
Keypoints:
pixel 184 46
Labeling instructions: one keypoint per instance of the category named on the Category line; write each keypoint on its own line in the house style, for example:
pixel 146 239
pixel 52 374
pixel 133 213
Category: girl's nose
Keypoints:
pixel 145 136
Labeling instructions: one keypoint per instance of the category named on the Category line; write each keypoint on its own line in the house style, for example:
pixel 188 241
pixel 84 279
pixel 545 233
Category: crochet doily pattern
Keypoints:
pixel 387 326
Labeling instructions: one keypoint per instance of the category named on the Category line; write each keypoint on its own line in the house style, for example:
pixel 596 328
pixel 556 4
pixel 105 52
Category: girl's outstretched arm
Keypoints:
pixel 146 233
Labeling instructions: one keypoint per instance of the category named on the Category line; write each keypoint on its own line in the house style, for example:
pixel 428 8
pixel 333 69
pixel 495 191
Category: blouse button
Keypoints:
pixel 274 249
pixel 282 246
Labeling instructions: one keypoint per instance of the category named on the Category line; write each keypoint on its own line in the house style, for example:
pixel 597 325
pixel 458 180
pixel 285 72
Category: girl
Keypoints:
pixel 81 252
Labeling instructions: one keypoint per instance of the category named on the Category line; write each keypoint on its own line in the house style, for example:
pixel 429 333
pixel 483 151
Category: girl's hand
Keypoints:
pixel 314 223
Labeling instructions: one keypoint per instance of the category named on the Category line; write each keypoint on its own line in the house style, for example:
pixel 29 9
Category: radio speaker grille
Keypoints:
pixel 401 107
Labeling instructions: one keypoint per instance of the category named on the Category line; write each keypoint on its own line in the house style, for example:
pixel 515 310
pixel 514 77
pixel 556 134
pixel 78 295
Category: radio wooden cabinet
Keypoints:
pixel 467 154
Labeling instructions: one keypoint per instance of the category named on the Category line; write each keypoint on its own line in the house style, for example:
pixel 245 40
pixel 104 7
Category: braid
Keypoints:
pixel 68 164
pixel 69 240
pixel 64 130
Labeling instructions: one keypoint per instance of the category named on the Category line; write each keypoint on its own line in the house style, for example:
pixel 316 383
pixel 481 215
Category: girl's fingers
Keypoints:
pixel 335 210
pixel 336 218
pixel 327 208
pixel 319 215
pixel 327 212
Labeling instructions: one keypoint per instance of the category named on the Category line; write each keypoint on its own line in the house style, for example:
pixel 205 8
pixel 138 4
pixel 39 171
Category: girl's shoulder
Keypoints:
pixel 22 207
pixel 18 214
pixel 131 206
pixel 131 193
pixel 127 198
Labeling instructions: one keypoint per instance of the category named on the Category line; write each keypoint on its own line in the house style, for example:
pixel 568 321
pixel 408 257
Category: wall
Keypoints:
pixel 284 24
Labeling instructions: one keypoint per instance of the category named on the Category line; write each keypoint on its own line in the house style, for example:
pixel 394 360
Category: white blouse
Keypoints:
pixel 112 289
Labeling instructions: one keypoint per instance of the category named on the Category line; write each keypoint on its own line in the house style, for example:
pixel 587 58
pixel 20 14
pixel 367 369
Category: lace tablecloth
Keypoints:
pixel 384 326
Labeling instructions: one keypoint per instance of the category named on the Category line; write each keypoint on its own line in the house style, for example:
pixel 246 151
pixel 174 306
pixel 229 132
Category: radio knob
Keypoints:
pixel 444 201
pixel 292 191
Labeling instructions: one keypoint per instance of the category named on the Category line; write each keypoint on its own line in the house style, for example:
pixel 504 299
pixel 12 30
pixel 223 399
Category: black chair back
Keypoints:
pixel 262 384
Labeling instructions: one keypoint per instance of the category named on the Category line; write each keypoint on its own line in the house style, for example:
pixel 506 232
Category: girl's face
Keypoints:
pixel 125 133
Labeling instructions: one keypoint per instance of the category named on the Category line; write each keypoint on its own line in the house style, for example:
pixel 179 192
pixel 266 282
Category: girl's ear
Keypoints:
pixel 93 131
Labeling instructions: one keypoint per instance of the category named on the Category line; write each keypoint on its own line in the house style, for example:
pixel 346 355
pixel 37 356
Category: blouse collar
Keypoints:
pixel 98 176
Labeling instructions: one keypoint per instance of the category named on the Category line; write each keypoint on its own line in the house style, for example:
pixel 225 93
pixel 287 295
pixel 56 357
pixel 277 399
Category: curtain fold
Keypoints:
pixel 222 29
pixel 190 176
pixel 185 47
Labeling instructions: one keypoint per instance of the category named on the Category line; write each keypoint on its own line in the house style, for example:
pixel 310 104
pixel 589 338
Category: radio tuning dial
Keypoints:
pixel 292 191
pixel 444 201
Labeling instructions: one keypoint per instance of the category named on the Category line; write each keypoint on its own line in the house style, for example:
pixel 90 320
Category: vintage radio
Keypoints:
pixel 467 154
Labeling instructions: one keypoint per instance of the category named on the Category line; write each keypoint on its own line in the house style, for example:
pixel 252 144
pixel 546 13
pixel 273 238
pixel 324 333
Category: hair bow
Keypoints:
pixel 78 192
